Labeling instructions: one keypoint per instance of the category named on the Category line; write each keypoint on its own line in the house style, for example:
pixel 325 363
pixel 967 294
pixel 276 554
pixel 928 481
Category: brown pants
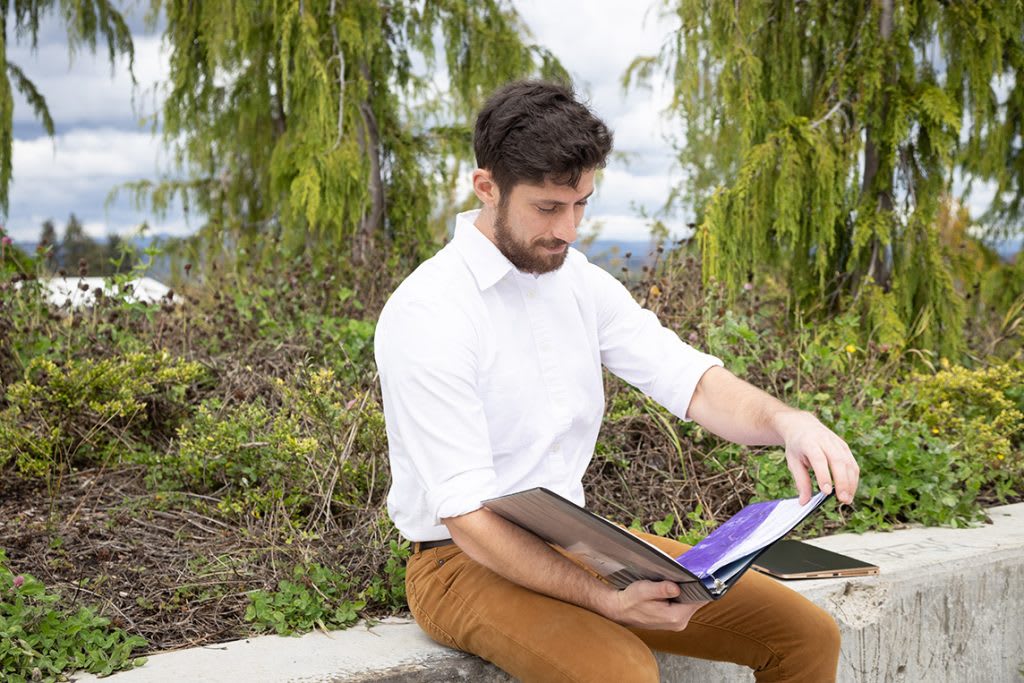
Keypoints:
pixel 759 623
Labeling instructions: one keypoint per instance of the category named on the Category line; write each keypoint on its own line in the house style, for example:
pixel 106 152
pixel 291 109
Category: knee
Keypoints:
pixel 629 659
pixel 815 655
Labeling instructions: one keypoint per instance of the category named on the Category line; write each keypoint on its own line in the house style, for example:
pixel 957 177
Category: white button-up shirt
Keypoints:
pixel 492 381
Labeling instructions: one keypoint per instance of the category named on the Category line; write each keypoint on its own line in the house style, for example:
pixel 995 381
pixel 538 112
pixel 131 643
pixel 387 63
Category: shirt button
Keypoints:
pixel 556 447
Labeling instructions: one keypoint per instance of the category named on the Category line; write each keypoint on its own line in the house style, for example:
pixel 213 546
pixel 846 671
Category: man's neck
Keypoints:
pixel 485 223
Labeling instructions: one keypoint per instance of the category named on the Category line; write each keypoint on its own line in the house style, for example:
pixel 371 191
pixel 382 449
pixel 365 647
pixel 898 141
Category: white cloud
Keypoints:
pixel 86 89
pixel 75 172
pixel 620 190
pixel 596 41
pixel 85 155
pixel 628 227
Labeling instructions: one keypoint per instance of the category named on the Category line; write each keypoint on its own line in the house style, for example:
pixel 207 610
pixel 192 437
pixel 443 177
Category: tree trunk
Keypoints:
pixel 369 143
pixel 879 269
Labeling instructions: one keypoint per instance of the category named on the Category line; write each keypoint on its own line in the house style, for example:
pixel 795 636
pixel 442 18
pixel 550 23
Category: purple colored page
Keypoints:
pixel 700 558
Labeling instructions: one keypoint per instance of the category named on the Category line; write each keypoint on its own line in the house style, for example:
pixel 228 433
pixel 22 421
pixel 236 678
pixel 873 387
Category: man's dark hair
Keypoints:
pixel 532 131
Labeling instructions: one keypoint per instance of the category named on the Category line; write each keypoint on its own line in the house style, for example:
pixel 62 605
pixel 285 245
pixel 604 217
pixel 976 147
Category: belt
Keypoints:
pixel 420 546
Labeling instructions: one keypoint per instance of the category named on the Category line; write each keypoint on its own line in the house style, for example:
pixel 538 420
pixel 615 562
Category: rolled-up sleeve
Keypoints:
pixel 636 347
pixel 427 357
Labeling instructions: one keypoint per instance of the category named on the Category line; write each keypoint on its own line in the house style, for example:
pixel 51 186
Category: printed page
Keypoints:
pixel 751 529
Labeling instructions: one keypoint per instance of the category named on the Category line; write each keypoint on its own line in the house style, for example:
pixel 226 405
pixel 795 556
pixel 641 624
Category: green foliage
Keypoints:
pixel 316 598
pixel 305 453
pixel 933 448
pixel 77 412
pixel 820 137
pixel 39 640
pixel 980 413
pixel 908 474
pixel 326 135
pixel 389 591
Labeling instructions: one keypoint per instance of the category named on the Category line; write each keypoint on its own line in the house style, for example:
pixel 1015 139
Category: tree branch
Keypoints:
pixel 831 112
pixel 340 54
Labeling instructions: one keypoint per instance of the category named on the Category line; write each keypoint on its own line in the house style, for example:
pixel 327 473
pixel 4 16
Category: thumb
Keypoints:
pixel 668 590
pixel 653 590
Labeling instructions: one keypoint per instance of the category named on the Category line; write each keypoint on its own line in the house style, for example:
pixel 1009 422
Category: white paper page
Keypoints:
pixel 784 517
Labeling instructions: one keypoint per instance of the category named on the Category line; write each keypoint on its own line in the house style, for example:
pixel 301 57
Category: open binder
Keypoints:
pixel 705 572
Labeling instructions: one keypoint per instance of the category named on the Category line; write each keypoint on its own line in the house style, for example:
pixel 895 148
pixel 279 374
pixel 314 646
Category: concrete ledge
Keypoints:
pixel 948 606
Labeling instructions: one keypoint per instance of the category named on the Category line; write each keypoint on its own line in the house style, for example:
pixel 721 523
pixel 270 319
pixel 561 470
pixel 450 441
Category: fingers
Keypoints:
pixel 800 476
pixel 820 464
pixel 646 605
pixel 654 590
pixel 810 445
pixel 843 467
pixel 847 474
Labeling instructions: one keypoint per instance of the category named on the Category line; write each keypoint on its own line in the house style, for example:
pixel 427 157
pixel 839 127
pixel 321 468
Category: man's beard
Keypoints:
pixel 526 257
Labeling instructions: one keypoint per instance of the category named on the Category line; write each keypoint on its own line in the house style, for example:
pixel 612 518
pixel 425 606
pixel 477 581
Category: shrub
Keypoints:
pixel 39 641
pixel 88 411
pixel 320 597
pixel 312 453
pixel 980 414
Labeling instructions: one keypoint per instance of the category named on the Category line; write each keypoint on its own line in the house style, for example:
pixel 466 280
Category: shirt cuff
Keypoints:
pixel 687 381
pixel 461 494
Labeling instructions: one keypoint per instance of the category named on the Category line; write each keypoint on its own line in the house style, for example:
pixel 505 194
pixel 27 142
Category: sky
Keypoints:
pixel 102 140
pixel 101 143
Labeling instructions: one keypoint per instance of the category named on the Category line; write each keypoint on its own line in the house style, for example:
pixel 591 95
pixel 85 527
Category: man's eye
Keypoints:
pixel 547 209
pixel 581 203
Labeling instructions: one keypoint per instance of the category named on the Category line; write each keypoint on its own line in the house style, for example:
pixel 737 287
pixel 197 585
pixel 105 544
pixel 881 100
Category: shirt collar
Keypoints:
pixel 485 261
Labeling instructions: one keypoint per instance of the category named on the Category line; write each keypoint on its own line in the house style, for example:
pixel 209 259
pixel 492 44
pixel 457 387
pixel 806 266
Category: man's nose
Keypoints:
pixel 565 229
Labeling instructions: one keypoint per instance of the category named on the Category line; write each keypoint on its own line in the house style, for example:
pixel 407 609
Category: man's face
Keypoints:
pixel 535 224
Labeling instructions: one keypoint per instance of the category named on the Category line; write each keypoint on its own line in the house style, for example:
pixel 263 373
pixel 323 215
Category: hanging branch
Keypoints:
pixel 339 54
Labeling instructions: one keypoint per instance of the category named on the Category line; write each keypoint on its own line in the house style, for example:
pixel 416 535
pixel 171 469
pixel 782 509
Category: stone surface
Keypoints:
pixel 947 606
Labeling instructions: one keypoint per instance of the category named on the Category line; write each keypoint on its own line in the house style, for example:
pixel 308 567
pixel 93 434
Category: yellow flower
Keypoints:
pixel 850 348
pixel 655 290
pixel 944 362
pixel 935 430
pixel 1000 457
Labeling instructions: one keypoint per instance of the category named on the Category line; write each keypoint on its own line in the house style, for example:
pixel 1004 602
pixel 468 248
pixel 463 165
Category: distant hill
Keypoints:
pixel 612 255
pixel 159 270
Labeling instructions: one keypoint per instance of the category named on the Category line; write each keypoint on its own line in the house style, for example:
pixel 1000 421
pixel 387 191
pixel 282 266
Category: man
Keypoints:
pixel 490 358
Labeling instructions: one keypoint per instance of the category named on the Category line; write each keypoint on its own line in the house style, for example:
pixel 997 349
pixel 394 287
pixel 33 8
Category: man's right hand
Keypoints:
pixel 646 604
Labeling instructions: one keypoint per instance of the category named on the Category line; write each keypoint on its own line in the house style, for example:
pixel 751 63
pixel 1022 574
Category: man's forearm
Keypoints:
pixel 735 410
pixel 525 559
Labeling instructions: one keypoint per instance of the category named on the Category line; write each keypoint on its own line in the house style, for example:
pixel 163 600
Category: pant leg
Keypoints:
pixel 464 605
pixel 760 623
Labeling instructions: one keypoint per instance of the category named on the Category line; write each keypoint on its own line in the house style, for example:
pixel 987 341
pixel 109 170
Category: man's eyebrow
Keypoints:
pixel 557 202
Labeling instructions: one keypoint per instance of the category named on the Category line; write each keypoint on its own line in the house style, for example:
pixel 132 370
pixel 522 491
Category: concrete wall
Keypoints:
pixel 947 606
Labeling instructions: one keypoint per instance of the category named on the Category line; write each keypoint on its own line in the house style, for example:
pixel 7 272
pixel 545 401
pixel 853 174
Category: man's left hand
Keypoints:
pixel 810 445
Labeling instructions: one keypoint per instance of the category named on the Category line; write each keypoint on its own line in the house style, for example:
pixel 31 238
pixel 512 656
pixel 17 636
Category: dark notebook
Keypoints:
pixel 796 560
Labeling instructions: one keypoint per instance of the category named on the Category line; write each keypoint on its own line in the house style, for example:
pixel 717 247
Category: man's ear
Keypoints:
pixel 485 188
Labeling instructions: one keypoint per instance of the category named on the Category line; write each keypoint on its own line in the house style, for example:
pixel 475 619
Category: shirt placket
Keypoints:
pixel 545 325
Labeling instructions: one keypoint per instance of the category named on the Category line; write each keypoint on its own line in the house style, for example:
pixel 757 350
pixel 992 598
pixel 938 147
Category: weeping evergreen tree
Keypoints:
pixel 322 122
pixel 86 22
pixel 820 136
